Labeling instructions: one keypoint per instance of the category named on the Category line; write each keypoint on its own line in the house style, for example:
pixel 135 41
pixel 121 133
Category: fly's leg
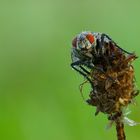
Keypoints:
pixel 83 71
pixel 80 69
pixel 102 40
pixel 91 66
pixel 81 89
pixel 87 72
pixel 76 65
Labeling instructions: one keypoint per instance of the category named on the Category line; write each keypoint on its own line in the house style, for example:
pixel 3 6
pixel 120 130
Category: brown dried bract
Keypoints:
pixel 115 88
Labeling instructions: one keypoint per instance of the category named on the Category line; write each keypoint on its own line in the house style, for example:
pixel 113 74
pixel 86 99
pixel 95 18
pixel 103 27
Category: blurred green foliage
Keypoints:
pixel 39 95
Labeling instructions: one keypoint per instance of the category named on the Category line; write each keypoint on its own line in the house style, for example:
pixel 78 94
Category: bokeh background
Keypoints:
pixel 39 94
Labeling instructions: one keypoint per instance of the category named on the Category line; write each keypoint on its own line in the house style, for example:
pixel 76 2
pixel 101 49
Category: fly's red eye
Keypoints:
pixel 91 38
pixel 74 41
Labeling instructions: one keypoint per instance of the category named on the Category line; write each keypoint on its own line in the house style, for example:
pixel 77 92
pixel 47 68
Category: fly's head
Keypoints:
pixel 82 46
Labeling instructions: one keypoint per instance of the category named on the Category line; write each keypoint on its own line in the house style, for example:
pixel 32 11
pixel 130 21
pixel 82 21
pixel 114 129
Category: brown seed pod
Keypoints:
pixel 115 88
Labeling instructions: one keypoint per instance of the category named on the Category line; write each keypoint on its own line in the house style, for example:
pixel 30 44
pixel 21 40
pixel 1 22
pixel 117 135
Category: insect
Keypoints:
pixel 109 70
pixel 92 50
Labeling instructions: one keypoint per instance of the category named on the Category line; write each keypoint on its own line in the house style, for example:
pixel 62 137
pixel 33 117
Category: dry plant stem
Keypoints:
pixel 120 130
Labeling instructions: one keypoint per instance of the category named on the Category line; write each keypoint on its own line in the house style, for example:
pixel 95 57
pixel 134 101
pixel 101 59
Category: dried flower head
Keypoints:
pixel 115 88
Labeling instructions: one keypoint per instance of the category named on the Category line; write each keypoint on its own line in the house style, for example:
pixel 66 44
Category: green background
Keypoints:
pixel 39 95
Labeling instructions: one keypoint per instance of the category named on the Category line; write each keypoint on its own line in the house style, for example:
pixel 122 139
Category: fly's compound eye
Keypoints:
pixel 74 42
pixel 90 38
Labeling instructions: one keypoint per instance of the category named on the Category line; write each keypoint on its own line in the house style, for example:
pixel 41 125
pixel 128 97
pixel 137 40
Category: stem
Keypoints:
pixel 120 130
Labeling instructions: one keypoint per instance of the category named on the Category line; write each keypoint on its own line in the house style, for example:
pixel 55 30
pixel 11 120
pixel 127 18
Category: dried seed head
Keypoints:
pixel 115 88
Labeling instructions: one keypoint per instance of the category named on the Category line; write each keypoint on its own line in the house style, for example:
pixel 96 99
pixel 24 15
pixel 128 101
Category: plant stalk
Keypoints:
pixel 120 130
